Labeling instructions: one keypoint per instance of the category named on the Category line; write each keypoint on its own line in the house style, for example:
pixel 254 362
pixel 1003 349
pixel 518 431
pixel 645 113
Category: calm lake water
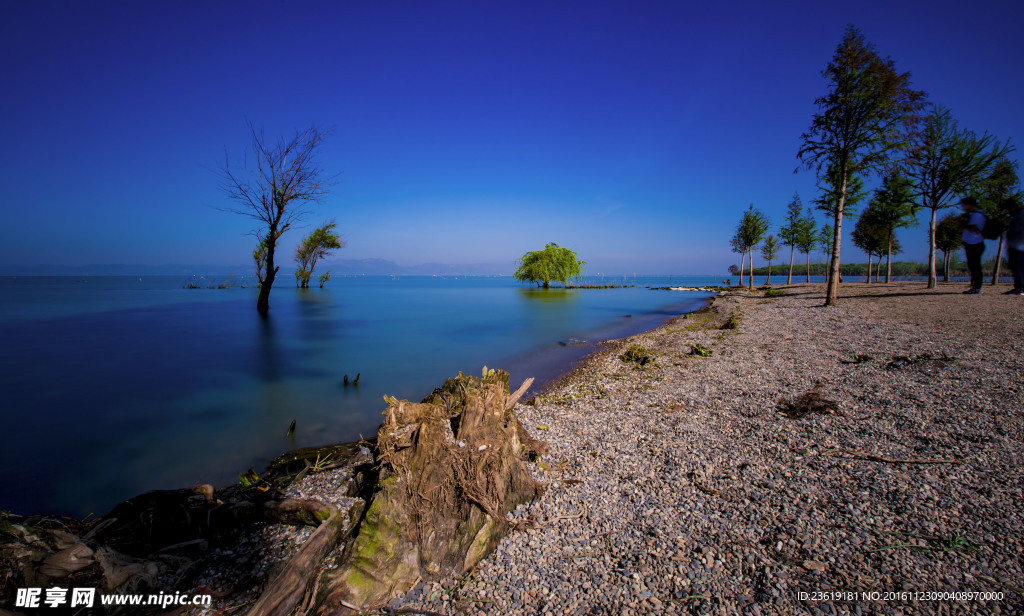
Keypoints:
pixel 114 385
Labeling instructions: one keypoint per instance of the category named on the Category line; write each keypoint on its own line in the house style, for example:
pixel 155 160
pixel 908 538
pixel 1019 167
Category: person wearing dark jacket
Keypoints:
pixel 1015 244
pixel 974 243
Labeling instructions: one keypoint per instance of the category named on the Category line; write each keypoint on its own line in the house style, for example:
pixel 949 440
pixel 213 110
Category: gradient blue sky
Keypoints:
pixel 635 133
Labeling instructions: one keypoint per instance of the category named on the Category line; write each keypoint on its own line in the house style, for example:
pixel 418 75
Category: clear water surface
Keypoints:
pixel 116 385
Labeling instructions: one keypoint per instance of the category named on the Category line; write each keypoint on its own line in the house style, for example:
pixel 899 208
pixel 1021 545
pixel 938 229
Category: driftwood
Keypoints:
pixel 450 469
pixel 289 587
pixel 860 455
pixel 810 402
pixel 151 539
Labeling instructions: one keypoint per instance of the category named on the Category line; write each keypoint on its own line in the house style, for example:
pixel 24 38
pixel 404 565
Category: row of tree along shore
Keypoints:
pixel 899 269
pixel 871 123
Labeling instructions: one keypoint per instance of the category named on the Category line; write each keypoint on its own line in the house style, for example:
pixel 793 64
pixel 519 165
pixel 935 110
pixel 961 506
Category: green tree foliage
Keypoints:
pixel 807 238
pixel 318 244
pixel 751 230
pixel 552 263
pixel 1000 185
pixel 276 189
pixel 259 257
pixel 770 250
pixel 797 226
pixel 946 161
pixel 828 199
pixel 862 120
pixel 947 239
pixel 872 236
pixel 893 208
pixel 824 240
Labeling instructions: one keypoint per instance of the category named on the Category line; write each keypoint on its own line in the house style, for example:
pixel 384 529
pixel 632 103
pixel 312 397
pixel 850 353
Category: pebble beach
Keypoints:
pixel 774 456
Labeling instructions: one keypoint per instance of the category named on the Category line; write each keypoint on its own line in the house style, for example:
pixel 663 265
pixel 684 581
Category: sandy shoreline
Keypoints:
pixel 679 487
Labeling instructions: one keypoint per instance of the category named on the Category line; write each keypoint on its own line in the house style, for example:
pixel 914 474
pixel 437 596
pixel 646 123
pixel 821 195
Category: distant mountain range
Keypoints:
pixel 340 267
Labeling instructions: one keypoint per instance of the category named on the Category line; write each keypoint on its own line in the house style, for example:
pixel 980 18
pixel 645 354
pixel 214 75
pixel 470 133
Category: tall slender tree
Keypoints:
pixel 796 225
pixel 826 239
pixel 862 121
pixel 769 250
pixel 277 189
pixel 870 236
pixel 751 230
pixel 828 202
pixel 893 208
pixel 738 247
pixel 947 239
pixel 946 161
pixel 807 239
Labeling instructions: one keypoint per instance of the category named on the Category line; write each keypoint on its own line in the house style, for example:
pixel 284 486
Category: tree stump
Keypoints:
pixel 451 467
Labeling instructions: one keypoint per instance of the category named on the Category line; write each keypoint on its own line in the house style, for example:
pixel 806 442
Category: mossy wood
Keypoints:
pixel 450 468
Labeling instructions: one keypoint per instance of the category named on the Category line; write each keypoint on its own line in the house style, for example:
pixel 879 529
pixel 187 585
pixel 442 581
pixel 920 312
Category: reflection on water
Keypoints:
pixel 115 387
pixel 555 295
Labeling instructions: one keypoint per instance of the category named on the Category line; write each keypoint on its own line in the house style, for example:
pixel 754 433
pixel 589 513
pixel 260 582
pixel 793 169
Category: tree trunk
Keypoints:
pixel 869 268
pixel 832 291
pixel 263 302
pixel 945 266
pixel 768 280
pixel 808 266
pixel 789 280
pixel 999 259
pixel 750 277
pixel 743 259
pixel 931 249
pixel 888 260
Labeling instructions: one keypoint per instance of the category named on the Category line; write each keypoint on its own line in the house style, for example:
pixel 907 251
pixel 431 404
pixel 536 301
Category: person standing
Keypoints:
pixel 1015 244
pixel 974 243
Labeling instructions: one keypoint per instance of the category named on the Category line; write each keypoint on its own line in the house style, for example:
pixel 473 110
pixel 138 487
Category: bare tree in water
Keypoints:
pixel 277 188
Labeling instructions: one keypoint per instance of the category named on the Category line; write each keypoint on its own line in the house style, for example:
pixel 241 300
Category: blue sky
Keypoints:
pixel 635 133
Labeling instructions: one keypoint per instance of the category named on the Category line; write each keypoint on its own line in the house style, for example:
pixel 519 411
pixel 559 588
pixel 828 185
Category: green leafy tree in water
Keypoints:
pixel 863 120
pixel 315 246
pixel 947 239
pixel 554 263
pixel 769 250
pixel 946 161
pixel 893 208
